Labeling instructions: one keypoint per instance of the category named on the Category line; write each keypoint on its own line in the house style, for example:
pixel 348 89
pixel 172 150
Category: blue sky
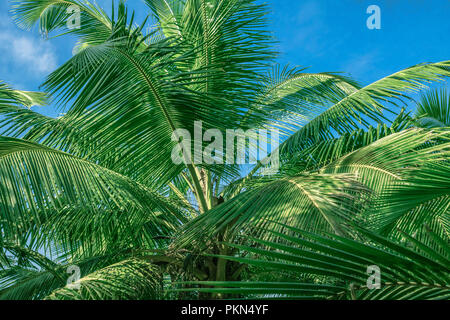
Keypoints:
pixel 326 35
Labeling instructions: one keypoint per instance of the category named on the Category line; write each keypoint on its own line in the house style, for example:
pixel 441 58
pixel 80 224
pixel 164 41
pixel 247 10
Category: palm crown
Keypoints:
pixel 97 187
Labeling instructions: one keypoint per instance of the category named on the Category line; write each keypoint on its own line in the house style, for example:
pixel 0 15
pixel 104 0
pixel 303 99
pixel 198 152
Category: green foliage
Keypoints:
pixel 405 273
pixel 97 188
pixel 127 280
pixel 433 110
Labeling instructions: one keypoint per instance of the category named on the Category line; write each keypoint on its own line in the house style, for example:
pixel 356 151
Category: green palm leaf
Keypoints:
pixel 421 200
pixel 314 202
pixel 433 110
pixel 40 184
pixel 10 97
pixel 367 103
pixel 127 280
pixel 343 264
pixel 387 159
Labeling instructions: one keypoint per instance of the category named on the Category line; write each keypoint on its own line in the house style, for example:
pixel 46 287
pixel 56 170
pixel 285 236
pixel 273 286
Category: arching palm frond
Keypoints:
pixel 40 184
pixel 314 156
pixel 314 202
pixel 311 201
pixel 325 152
pixel 127 280
pixel 53 15
pixel 290 97
pixel 19 283
pixel 386 160
pixel 29 275
pixel 420 201
pixel 10 97
pixel 344 267
pixel 368 103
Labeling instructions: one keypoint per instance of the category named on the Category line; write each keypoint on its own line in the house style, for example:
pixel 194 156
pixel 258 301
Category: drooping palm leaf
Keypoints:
pixel 321 154
pixel 343 264
pixel 314 202
pixel 10 97
pixel 385 160
pixel 52 15
pixel 420 201
pixel 368 103
pixel 127 280
pixel 39 184
pixel 29 275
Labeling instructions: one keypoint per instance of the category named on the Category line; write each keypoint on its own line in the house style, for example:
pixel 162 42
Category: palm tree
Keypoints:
pixel 97 188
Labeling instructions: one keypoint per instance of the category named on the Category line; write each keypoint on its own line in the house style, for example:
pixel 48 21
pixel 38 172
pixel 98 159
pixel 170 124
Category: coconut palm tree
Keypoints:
pixel 97 188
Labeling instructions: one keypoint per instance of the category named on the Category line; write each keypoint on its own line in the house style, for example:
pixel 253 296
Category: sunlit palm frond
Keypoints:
pixel 368 104
pixel 290 97
pixel 320 154
pixel 433 109
pixel 313 202
pixel 384 161
pixel 10 97
pixel 53 15
pixel 420 201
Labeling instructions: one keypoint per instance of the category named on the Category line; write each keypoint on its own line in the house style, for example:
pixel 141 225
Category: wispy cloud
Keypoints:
pixel 33 56
pixel 34 53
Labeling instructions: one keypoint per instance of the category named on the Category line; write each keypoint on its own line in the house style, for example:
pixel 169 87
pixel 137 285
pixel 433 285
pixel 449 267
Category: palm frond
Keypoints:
pixel 343 264
pixel 53 15
pixel 318 155
pixel 290 97
pixel 10 97
pixel 385 160
pixel 40 184
pixel 421 200
pixel 368 104
pixel 127 280
pixel 433 109
pixel 314 202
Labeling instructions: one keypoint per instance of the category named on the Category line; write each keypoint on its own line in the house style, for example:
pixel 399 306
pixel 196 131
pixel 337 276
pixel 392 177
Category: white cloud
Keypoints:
pixel 36 54
pixel 34 57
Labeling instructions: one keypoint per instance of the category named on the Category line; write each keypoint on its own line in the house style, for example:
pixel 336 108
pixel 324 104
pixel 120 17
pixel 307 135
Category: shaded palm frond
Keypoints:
pixel 39 184
pixel 346 267
pixel 127 280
